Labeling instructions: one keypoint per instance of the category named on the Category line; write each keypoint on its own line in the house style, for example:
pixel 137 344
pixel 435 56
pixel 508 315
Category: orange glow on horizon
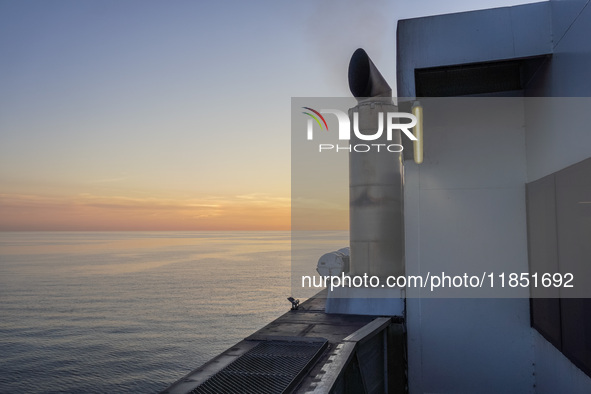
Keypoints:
pixel 87 212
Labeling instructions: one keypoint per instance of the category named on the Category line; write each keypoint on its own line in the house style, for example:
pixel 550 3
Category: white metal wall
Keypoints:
pixel 466 204
pixel 558 135
pixel 487 345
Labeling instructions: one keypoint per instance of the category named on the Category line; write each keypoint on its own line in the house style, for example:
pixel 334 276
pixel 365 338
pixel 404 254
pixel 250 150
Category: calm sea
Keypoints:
pixel 131 312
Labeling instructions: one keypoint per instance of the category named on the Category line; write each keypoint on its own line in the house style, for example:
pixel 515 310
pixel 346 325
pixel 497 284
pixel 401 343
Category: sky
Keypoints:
pixel 172 115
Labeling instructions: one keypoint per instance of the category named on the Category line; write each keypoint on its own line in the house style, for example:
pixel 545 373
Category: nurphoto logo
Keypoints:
pixel 344 130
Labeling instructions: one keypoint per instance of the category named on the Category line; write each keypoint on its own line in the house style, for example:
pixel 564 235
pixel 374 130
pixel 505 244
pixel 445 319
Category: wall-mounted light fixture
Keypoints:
pixel 417 111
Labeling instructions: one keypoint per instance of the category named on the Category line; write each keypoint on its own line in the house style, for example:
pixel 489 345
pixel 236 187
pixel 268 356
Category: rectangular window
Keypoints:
pixel 559 241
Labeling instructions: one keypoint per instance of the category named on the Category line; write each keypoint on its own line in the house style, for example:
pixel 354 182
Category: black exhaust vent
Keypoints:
pixel 476 78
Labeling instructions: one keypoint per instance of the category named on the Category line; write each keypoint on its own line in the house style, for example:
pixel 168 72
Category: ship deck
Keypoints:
pixel 335 337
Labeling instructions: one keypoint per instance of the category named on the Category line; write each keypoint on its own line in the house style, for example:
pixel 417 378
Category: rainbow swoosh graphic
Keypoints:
pixel 315 118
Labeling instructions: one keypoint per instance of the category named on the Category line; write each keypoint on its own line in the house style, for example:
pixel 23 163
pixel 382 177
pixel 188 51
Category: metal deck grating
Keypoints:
pixel 271 367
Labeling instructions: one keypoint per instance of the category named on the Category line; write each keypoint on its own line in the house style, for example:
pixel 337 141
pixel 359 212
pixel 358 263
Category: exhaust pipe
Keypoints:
pixel 375 197
pixel 375 178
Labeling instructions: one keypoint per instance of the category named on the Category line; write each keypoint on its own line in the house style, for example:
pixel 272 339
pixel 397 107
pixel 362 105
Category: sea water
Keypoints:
pixel 131 312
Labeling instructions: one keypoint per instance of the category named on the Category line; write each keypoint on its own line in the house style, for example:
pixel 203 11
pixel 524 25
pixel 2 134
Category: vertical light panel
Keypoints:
pixel 417 111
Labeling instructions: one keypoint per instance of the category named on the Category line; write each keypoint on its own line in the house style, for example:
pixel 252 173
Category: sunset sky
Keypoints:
pixel 171 115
